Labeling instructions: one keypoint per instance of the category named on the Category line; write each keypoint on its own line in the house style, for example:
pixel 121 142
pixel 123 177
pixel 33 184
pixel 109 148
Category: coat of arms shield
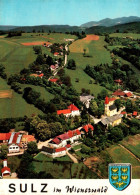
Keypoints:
pixel 120 175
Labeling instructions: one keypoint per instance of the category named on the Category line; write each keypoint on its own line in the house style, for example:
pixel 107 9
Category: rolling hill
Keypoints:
pixel 129 27
pixel 111 22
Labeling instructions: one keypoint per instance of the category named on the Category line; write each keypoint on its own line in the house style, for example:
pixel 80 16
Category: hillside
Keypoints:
pixel 47 28
pixel 129 27
pixel 5 27
pixel 111 22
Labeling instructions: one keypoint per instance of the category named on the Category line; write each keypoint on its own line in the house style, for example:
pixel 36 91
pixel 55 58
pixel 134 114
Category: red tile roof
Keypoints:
pixel 56 53
pixel 118 81
pixel 72 107
pixel 56 140
pixel 66 111
pixel 41 75
pixel 135 113
pixel 87 127
pixel 70 133
pixel 53 80
pixel 15 138
pixel 123 112
pixel 129 94
pixel 106 100
pixel 60 149
pixel 119 92
pixel 53 67
pixel 63 136
pixel 28 138
pixel 5 169
pixel 5 136
pixel 68 146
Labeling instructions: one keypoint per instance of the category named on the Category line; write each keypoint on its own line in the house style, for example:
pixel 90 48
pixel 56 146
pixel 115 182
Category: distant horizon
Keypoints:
pixel 64 12
pixel 64 24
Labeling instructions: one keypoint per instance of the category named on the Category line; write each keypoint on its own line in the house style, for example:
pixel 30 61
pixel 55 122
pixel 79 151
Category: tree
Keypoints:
pixel 84 50
pixel 43 131
pixel 66 80
pixel 71 64
pixel 37 49
pixel 32 148
pixel 93 107
pixel 4 151
pixel 118 103
pixel 102 94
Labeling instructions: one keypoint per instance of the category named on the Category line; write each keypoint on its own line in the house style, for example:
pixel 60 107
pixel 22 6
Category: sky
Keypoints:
pixel 71 12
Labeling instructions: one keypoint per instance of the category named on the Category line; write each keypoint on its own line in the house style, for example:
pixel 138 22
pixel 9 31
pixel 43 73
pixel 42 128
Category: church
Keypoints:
pixel 112 117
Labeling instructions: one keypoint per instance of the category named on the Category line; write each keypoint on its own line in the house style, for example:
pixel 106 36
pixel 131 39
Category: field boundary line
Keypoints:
pixel 129 152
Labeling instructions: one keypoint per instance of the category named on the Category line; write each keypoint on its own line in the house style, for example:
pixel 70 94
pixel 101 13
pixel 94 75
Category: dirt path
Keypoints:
pixel 129 152
pixel 72 157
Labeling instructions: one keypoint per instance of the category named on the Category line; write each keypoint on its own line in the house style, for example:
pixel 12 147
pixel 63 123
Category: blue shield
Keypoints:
pixel 120 175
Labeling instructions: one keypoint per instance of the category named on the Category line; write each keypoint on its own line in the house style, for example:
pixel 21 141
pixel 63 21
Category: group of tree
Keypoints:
pixel 71 64
pixel 13 34
pixel 2 72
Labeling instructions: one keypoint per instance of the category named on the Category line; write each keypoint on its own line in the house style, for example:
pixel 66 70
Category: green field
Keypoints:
pixel 44 93
pixel 64 169
pixel 121 35
pixel 132 143
pixel 120 155
pixel 16 56
pixel 98 55
pixel 15 106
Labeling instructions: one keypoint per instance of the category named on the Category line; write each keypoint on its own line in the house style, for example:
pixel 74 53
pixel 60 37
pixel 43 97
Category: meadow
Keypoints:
pixel 15 106
pixel 132 143
pixel 62 167
pixel 97 55
pixel 120 155
pixel 121 35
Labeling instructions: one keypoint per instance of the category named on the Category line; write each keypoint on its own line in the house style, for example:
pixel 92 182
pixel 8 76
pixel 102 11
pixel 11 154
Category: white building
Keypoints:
pixel 13 148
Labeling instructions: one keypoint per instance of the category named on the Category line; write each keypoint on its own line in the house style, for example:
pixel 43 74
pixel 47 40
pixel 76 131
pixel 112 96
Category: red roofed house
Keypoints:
pixel 123 112
pixel 5 170
pixel 118 93
pixel 56 54
pixel 71 111
pixel 88 127
pixel 135 114
pixel 119 82
pixel 128 94
pixel 4 137
pixel 53 80
pixel 26 139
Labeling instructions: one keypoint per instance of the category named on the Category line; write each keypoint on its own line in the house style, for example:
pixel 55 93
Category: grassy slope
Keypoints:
pixel 44 93
pixel 121 35
pixel 120 155
pixel 16 106
pixel 99 55
pixel 133 144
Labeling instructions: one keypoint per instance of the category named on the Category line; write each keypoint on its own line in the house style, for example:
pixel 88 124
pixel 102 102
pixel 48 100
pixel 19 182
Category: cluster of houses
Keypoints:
pixel 120 93
pixel 16 141
pixel 59 145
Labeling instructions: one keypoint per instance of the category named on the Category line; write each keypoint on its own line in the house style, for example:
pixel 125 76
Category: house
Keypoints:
pixel 4 138
pixel 112 120
pixel 51 152
pixel 64 139
pixel 54 67
pixel 26 139
pixel 135 113
pixel 88 127
pixel 5 171
pixel 37 75
pixel 119 93
pixel 56 54
pixel 128 93
pixel 110 108
pixel 71 111
pixel 13 148
pixel 85 99
pixel 53 80
pixel 118 82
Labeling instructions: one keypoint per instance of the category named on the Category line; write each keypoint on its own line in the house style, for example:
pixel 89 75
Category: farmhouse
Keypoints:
pixel 51 152
pixel 71 111
pixel 120 93
pixel 4 138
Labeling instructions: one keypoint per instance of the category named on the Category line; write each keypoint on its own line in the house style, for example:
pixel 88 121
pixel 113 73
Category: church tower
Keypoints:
pixel 106 106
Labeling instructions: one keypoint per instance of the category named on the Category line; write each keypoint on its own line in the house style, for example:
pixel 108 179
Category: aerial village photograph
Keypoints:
pixel 69 88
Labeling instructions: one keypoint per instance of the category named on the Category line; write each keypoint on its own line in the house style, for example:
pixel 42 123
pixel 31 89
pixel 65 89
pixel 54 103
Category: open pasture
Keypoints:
pixel 120 155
